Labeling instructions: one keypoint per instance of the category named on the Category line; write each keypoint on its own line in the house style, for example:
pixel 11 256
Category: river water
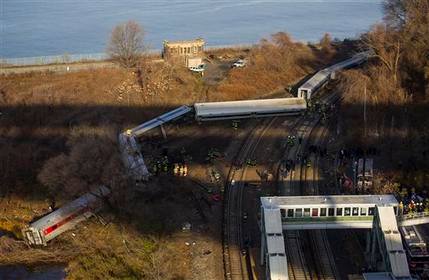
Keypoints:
pixel 56 27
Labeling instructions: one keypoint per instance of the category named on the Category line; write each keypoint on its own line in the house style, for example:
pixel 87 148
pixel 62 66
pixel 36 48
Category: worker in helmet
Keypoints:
pixel 176 169
pixel 401 208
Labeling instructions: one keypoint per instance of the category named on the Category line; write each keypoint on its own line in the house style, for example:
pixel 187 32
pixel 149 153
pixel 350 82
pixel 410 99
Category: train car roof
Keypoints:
pixel 248 106
pixel 146 126
pixel 275 244
pixel 330 200
pixel 393 242
pixel 316 80
pixel 278 268
pixel 70 208
pixel 321 76
pixel 272 221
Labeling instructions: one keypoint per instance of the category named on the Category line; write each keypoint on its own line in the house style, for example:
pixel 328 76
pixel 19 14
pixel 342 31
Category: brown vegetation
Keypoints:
pixel 396 83
pixel 126 44
pixel 274 63
pixel 58 139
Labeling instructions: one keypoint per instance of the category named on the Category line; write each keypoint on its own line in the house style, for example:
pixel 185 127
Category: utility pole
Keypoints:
pixel 364 112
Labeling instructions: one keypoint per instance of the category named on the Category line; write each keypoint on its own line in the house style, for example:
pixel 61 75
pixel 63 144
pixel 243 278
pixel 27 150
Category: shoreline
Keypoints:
pixel 66 58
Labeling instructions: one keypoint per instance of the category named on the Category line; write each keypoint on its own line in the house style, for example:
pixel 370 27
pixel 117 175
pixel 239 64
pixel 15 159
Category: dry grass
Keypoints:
pixel 46 114
pixel 272 64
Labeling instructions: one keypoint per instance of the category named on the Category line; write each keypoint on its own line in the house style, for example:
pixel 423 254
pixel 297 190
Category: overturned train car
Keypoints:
pixel 65 218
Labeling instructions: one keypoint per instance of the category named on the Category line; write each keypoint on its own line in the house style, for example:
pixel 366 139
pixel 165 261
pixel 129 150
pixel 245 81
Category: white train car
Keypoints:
pixel 130 151
pixel 313 84
pixel 249 109
pixel 65 218
pixel 320 78
pixel 273 247
pixel 158 121
pixel 132 158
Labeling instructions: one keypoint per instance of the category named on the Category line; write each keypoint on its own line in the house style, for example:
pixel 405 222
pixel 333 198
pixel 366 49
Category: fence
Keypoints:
pixel 53 59
pixel 69 58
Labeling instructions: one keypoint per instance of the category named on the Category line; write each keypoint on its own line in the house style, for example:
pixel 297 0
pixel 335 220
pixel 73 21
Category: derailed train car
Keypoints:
pixel 249 108
pixel 320 78
pixel 65 218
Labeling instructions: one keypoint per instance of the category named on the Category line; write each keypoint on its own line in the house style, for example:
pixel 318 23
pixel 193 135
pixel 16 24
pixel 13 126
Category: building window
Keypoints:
pixel 355 211
pixel 181 50
pixel 347 211
pixel 298 213
pixel 290 213
pixel 306 212
pixel 331 212
pixel 315 212
pixel 339 211
pixel 189 49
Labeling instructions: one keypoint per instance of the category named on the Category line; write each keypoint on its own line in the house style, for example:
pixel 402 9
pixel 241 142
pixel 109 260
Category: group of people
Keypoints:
pixel 412 203
pixel 160 165
pixel 357 152
pixel 322 109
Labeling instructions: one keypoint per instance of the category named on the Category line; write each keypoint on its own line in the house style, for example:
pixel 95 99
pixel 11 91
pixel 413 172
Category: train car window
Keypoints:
pixel 323 212
pixel 363 211
pixel 371 211
pixel 347 211
pixel 306 212
pixel 283 212
pixel 331 212
pixel 355 211
pixel 298 213
pixel 315 212
pixel 290 213
pixel 339 211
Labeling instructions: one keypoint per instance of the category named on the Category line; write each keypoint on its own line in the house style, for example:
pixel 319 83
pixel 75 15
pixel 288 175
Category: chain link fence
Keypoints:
pixel 72 58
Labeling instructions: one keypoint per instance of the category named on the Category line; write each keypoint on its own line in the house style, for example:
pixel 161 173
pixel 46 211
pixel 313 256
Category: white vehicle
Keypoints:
pixel 365 173
pixel 200 68
pixel 239 63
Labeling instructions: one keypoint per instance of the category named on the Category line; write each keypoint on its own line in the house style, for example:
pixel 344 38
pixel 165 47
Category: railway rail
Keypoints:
pixel 305 181
pixel 234 251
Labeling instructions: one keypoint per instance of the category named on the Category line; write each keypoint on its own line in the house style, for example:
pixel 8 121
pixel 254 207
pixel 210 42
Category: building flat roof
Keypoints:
pixel 330 200
pixel 183 42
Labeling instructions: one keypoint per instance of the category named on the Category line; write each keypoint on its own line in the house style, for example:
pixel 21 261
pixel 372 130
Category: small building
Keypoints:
pixel 189 53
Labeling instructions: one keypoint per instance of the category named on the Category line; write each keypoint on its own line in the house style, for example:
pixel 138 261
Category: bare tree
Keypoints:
pixel 92 161
pixel 126 44
pixel 387 47
pixel 326 44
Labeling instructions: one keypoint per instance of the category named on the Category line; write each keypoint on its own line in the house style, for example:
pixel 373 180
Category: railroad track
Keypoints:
pixel 234 251
pixel 324 263
pixel 304 181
